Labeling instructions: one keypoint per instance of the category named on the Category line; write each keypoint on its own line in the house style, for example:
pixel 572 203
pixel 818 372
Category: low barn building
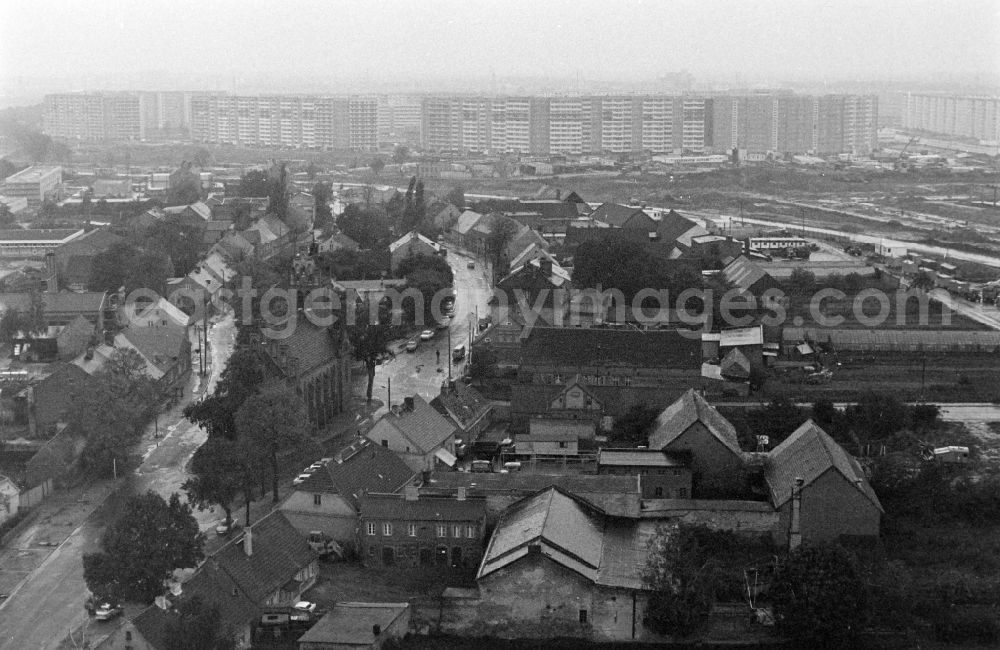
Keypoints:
pixel 662 475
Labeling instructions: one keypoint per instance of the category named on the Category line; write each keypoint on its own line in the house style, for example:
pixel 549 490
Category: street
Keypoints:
pixel 42 610
pixel 418 372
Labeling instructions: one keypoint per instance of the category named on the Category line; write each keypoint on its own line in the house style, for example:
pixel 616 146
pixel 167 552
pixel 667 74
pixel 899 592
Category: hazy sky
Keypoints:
pixel 755 39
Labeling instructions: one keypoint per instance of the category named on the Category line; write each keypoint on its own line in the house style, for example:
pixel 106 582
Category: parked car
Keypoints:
pixel 481 466
pixel 223 528
pixel 458 353
pixel 301 477
pixel 274 619
pixel 412 344
pixel 470 265
pixel 427 335
pixel 107 611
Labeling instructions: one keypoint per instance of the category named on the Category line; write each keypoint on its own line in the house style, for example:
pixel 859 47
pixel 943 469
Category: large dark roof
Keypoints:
pixel 162 345
pixel 309 344
pixel 463 402
pixel 425 508
pixel 213 585
pixel 278 552
pixel 807 454
pixel 672 226
pixel 422 425
pixel 614 214
pixel 359 468
pixel 89 244
pixel 567 346
pixel 688 409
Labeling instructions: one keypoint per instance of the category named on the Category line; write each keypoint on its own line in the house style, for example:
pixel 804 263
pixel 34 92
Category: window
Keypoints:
pixel 583 616
pixel 682 493
pixel 562 445
pixel 470 532
pixel 411 530
pixel 387 529
pixel 658 492
pixel 456 531
pixel 677 472
pixel 442 530
pixel 317 499
pixel 385 443
pixel 371 528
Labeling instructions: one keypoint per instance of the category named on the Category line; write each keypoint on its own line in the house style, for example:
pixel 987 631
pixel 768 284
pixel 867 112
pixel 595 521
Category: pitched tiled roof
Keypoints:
pixel 638 458
pixel 743 273
pixel 360 468
pixel 675 228
pixel 310 344
pixel 565 346
pixel 89 244
pixel 467 221
pixel 807 454
pixel 613 214
pixel 153 624
pixel 278 552
pixel 409 237
pixel 570 532
pixel 213 585
pixel 736 364
pixel 162 345
pixel 78 268
pixel 615 495
pixel 423 426
pixel 688 409
pixel 625 553
pixel 463 403
pixel 425 508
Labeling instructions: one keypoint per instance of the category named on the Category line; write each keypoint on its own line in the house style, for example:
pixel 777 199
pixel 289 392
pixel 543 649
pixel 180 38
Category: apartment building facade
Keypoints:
pixel 117 116
pixel 962 115
pixel 657 124
pixel 33 184
pixel 299 121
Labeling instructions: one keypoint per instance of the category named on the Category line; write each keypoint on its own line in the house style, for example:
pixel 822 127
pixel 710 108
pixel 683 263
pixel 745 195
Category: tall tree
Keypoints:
pixel 456 197
pixel 371 347
pixel 497 242
pixel 273 420
pixel 141 549
pixel 218 475
pixel 634 427
pixel 377 165
pixel 242 377
pixel 277 191
pixel 819 597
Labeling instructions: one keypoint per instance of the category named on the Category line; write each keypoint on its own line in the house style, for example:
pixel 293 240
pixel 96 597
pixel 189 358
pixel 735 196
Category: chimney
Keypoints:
pixel 248 541
pixel 461 493
pixel 794 529
pixel 545 265
pixel 376 630
pixel 425 477
pixel 410 493
pixel 109 338
pixel 408 403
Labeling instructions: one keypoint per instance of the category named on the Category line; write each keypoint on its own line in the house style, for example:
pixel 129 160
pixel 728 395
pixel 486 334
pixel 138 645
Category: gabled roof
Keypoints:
pixel 213 585
pixel 90 243
pixel 467 221
pixel 162 345
pixel 408 238
pixel 462 403
pixel 808 454
pixel 424 508
pixel 309 346
pixel 233 245
pixel 743 273
pixel 103 352
pixel 735 364
pixel 675 228
pixel 567 530
pixel 278 552
pixel 557 278
pixel 423 426
pixel 614 214
pixel 153 624
pixel 160 313
pixel 361 467
pixel 338 240
pixel 687 410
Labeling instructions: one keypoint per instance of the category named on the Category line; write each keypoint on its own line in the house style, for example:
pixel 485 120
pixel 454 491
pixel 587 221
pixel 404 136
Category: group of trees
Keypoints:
pixel 249 420
pixel 367 225
pixel 125 265
pixel 616 262
pixel 111 410
pixel 428 274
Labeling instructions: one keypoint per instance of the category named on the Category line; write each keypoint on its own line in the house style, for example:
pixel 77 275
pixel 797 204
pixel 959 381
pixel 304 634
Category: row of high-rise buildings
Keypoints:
pixel 967 116
pixel 118 116
pixel 538 125
pixel 652 123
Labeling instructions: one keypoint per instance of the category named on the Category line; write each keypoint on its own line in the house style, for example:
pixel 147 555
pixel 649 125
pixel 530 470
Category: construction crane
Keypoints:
pixel 902 154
